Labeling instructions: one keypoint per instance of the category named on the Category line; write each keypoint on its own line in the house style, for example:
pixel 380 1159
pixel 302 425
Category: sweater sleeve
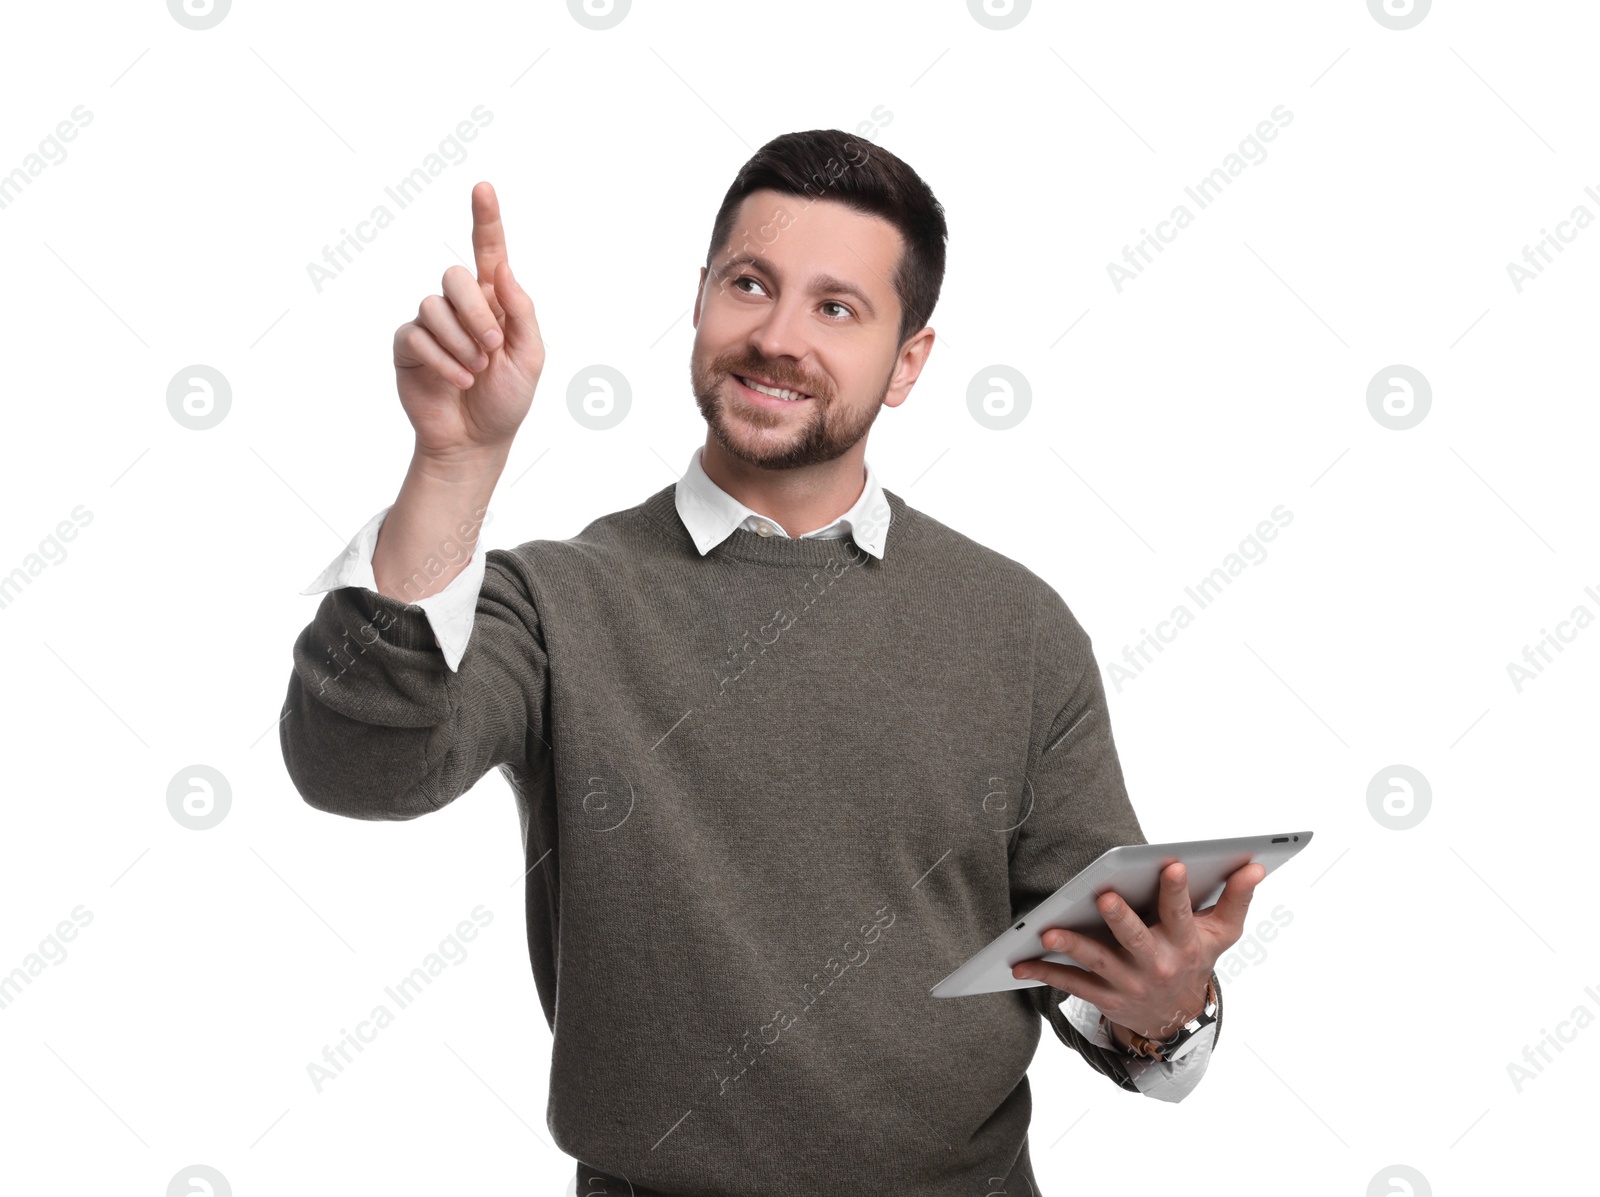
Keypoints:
pixel 377 726
pixel 450 611
pixel 1080 805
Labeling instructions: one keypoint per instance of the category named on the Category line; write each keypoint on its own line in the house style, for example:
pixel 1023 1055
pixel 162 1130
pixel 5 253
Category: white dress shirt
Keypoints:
pixel 711 514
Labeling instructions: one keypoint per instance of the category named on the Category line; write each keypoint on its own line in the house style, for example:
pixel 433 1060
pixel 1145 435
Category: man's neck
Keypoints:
pixel 799 500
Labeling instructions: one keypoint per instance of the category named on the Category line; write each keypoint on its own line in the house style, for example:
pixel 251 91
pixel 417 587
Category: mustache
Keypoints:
pixel 781 378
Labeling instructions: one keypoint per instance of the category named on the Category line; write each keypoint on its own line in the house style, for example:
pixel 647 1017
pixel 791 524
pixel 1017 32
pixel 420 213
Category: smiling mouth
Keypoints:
pixel 787 394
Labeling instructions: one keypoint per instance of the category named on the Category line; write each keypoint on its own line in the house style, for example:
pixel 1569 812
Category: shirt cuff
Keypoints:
pixel 450 612
pixel 1153 1078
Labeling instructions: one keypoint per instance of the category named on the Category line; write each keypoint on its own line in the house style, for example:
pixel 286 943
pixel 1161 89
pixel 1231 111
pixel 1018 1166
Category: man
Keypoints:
pixel 785 749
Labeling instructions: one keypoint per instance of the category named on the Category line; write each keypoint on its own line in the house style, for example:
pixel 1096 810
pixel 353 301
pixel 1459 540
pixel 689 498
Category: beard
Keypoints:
pixel 824 430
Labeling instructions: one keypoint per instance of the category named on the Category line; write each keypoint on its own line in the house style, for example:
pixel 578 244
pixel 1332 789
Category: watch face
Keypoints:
pixel 1180 1051
pixel 1191 1036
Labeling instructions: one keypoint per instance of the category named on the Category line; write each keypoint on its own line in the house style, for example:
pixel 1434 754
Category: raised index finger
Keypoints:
pixel 488 235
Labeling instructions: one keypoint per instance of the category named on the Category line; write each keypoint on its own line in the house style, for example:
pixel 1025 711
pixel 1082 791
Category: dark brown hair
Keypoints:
pixel 831 164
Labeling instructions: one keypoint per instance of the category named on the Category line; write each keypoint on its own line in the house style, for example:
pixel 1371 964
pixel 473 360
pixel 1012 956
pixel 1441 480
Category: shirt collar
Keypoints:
pixel 711 514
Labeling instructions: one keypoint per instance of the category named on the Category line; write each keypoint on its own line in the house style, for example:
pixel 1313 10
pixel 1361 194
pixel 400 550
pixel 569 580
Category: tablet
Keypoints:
pixel 1134 872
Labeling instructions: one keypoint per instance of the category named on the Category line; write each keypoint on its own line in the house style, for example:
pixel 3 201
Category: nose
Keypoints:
pixel 781 332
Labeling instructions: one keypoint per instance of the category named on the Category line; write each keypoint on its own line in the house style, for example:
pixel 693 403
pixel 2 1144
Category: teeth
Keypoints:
pixel 775 392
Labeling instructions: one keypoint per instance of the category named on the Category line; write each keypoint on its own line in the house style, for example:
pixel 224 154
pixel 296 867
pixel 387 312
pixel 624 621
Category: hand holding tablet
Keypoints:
pixel 1137 932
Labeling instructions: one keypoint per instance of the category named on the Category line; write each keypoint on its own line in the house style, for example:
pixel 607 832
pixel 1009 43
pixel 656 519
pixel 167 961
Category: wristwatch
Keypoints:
pixel 1181 1041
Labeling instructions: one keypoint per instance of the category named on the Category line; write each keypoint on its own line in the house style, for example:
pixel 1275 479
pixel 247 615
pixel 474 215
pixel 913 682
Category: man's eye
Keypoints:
pixel 745 278
pixel 834 303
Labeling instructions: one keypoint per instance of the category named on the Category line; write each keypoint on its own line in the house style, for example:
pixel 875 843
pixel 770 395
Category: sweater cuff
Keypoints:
pixel 449 614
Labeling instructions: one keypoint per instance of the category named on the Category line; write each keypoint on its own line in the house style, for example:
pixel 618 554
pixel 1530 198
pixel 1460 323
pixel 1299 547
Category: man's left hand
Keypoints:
pixel 1156 981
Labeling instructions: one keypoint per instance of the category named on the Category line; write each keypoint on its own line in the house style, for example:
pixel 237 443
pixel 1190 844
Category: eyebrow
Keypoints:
pixel 820 283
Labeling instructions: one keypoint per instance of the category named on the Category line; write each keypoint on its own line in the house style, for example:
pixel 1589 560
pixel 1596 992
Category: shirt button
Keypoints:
pixel 764 529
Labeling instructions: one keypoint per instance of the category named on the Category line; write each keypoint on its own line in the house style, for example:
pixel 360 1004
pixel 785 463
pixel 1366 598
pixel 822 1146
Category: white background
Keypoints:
pixel 1228 378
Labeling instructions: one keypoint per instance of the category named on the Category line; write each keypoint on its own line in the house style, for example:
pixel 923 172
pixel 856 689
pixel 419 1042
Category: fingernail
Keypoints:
pixel 492 338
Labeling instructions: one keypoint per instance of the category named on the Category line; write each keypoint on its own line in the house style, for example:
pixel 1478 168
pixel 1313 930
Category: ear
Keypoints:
pixel 700 294
pixel 908 365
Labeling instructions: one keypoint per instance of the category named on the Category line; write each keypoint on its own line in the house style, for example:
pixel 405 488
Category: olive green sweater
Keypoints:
pixel 768 797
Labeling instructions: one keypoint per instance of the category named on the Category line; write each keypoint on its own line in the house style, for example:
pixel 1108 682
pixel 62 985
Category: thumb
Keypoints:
pixel 522 328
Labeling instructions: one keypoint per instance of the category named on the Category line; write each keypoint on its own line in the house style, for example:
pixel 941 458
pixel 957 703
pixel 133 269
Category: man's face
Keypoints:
pixel 799 298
